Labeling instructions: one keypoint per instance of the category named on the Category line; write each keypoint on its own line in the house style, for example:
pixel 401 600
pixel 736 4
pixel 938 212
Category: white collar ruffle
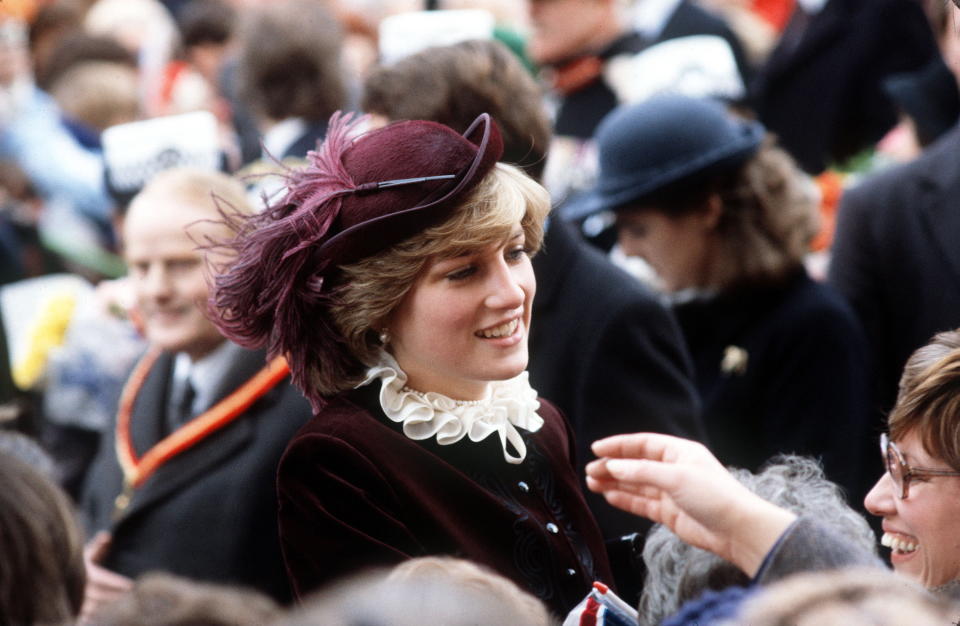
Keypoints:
pixel 509 405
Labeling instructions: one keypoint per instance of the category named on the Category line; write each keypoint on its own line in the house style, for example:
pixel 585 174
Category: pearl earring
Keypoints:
pixel 385 336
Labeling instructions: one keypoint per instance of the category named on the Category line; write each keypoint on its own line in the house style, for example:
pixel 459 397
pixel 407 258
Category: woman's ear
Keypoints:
pixel 712 210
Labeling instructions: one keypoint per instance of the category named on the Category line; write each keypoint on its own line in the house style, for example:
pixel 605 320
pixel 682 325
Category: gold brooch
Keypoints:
pixel 734 361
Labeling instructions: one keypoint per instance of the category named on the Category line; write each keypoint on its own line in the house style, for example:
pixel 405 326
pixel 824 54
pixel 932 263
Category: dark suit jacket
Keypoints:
pixel 896 257
pixel 824 97
pixel 356 492
pixel 210 512
pixel 608 354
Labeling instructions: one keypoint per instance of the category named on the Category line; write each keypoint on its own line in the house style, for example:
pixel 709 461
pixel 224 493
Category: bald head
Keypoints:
pixel 166 222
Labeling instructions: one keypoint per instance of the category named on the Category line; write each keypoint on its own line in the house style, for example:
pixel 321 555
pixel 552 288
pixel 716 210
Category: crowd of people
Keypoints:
pixel 479 311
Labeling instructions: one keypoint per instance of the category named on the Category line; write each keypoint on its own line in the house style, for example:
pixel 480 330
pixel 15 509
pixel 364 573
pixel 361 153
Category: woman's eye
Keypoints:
pixel 516 254
pixel 462 273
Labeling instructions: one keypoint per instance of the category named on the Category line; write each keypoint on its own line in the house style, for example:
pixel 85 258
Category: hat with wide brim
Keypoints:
pixel 389 184
pixel 643 148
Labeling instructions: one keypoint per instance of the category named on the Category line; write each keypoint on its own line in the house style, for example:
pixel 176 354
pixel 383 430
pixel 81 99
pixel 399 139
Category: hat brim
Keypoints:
pixel 627 190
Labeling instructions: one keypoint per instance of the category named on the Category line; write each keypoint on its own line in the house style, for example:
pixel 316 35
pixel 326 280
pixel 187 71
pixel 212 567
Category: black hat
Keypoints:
pixel 667 139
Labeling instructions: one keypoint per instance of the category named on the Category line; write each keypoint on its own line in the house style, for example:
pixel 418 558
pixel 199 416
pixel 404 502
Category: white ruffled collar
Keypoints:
pixel 509 405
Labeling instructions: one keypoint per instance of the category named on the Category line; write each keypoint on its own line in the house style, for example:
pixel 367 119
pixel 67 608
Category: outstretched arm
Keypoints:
pixel 679 483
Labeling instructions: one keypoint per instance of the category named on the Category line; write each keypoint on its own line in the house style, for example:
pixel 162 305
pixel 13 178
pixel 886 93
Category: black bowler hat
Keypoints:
pixel 662 141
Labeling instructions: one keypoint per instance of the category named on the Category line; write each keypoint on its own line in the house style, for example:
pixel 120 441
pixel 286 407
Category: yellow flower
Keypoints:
pixel 47 332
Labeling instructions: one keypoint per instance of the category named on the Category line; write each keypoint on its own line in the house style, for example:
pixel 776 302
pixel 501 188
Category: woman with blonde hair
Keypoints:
pixel 395 278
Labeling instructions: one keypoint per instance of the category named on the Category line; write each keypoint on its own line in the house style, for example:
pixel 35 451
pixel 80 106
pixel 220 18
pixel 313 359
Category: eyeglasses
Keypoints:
pixel 900 471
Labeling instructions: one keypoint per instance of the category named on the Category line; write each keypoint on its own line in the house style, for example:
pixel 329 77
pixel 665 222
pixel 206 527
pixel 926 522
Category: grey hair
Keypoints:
pixel 678 572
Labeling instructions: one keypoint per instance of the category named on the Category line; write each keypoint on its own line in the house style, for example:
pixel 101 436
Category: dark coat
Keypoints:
pixel 896 257
pixel 210 512
pixel 356 492
pixel 823 97
pixel 802 388
pixel 608 354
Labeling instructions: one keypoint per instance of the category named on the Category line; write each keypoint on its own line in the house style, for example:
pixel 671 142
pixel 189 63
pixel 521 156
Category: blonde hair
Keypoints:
pixel 470 576
pixel 99 93
pixel 929 398
pixel 373 287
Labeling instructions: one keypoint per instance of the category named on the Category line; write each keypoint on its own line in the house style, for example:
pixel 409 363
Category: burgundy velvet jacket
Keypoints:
pixel 356 492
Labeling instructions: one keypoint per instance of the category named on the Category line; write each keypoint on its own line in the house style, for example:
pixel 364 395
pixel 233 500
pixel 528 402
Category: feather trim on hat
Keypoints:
pixel 274 294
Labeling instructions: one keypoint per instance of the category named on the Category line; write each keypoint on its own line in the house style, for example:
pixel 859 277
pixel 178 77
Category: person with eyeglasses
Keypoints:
pixel 680 484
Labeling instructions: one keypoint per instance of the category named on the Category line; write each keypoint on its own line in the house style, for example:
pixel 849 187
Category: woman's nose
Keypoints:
pixel 506 289
pixel 631 245
pixel 880 500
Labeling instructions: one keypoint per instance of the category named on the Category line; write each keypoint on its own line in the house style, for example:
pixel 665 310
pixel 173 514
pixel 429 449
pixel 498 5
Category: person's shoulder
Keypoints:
pixel 339 416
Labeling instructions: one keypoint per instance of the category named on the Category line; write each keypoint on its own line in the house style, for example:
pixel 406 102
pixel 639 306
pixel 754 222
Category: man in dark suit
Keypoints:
pixel 896 257
pixel 896 251
pixel 184 479
pixel 821 90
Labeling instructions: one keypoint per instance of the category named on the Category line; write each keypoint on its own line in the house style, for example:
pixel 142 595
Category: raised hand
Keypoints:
pixel 680 484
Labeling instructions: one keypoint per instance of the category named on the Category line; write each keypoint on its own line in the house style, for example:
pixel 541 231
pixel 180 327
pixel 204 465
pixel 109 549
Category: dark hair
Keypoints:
pixel 289 61
pixel 454 84
pixel 41 571
pixel 206 21
pixel 55 18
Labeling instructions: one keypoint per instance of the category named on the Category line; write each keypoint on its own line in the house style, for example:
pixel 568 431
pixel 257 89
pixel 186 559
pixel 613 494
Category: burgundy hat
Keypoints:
pixel 386 185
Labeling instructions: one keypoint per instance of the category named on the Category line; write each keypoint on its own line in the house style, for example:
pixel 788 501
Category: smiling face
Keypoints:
pixel 922 529
pixel 167 274
pixel 466 320
pixel 677 247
